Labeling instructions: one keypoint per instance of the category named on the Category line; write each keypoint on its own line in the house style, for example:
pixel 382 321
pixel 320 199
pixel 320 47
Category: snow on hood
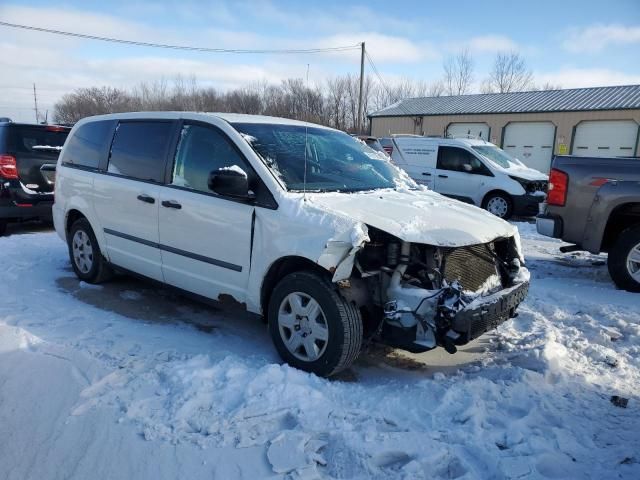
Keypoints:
pixel 419 216
pixel 524 172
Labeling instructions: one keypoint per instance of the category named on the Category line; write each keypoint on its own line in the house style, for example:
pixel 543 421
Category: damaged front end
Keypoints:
pixel 416 297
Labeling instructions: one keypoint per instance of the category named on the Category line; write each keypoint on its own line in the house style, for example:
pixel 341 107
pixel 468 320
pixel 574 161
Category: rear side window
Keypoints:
pixel 89 144
pixel 139 150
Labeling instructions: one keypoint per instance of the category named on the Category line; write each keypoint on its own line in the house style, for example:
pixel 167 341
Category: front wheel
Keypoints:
pixel 85 255
pixel 624 260
pixel 499 204
pixel 312 326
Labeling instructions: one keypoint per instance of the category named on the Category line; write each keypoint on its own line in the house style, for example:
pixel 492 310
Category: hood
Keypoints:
pixel 525 173
pixel 417 216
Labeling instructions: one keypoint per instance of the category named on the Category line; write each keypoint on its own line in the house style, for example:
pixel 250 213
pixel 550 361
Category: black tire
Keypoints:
pixel 100 270
pixel 619 267
pixel 342 318
pixel 497 196
pixel 3 227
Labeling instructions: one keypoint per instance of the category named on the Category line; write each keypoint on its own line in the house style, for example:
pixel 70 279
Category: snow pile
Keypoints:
pixel 127 377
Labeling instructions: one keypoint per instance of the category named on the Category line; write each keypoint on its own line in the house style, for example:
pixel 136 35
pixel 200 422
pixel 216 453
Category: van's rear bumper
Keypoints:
pixel 24 211
pixel 18 203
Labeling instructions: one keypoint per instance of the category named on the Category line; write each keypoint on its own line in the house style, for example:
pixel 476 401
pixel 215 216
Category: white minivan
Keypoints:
pixel 304 225
pixel 473 171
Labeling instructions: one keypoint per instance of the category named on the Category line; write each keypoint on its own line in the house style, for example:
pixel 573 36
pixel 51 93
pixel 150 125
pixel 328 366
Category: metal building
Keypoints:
pixel 532 126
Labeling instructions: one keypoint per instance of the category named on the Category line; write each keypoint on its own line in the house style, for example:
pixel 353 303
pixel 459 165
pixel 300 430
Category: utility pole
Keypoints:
pixel 35 101
pixel 358 125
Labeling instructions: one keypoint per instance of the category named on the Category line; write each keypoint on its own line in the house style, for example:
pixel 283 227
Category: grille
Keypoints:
pixel 540 186
pixel 471 266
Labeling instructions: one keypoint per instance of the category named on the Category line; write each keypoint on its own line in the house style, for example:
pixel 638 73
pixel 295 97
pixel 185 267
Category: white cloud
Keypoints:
pixel 586 77
pixel 598 37
pixel 383 48
pixel 484 44
pixel 491 44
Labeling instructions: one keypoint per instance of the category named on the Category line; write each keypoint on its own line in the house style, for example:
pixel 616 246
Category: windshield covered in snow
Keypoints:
pixel 335 161
pixel 497 155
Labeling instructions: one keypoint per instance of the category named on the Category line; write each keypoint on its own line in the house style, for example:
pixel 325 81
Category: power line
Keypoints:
pixel 375 70
pixel 384 85
pixel 181 47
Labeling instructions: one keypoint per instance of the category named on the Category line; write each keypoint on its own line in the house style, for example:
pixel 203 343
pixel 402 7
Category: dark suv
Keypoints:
pixel 28 154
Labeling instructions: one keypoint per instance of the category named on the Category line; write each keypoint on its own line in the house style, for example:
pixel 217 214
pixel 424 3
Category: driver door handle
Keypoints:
pixel 146 198
pixel 171 204
pixel 443 176
pixel 426 173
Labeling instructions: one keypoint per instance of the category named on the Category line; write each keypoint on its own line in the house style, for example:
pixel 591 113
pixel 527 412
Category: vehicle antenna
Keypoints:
pixel 306 139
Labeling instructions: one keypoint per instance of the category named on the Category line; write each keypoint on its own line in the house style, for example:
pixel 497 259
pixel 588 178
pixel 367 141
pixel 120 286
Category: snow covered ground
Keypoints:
pixel 126 381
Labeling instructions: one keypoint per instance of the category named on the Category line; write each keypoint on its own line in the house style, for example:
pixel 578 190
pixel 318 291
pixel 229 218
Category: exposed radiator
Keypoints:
pixel 471 266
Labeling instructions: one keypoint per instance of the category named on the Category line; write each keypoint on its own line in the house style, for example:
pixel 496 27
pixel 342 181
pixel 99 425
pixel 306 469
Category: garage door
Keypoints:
pixel 462 129
pixel 531 143
pixel 612 138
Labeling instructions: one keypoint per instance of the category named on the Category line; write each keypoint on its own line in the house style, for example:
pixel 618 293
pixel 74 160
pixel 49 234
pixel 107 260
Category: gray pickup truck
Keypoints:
pixel 594 204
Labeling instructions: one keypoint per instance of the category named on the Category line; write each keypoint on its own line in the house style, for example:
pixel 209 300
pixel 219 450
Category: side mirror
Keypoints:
pixel 230 182
pixel 467 167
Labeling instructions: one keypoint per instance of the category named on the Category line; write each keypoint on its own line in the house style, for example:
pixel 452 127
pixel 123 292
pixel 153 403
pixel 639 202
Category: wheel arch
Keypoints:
pixel 494 192
pixel 279 269
pixel 72 216
pixel 622 217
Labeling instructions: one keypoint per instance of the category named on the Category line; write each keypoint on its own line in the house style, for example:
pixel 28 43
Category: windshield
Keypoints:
pixel 335 160
pixel 497 155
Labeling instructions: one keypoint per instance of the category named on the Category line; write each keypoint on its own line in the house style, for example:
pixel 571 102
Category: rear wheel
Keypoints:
pixel 84 252
pixel 312 326
pixel 624 260
pixel 500 204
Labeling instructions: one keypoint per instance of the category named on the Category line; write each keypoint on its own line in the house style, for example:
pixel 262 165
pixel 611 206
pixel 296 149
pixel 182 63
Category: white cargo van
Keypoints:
pixel 472 170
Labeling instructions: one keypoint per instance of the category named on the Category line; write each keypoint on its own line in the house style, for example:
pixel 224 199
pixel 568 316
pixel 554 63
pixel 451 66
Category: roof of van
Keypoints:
pixel 229 117
pixel 448 140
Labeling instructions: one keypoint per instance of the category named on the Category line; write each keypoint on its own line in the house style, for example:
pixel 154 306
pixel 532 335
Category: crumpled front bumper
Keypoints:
pixel 486 313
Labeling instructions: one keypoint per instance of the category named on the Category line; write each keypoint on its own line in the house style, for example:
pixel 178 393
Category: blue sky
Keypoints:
pixel 570 43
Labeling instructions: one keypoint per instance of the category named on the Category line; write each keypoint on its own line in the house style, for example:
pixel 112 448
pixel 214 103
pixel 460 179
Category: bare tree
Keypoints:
pixel 435 89
pixel 509 74
pixel 335 103
pixel 458 73
pixel 91 101
pixel 547 86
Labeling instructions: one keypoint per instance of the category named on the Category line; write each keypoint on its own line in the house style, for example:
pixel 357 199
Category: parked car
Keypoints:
pixel 372 142
pixel 387 145
pixel 26 182
pixel 302 224
pixel 594 204
pixel 473 171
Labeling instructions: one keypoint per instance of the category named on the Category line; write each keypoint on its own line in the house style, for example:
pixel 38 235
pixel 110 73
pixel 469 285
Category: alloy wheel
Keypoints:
pixel 82 251
pixel 303 326
pixel 633 263
pixel 498 206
